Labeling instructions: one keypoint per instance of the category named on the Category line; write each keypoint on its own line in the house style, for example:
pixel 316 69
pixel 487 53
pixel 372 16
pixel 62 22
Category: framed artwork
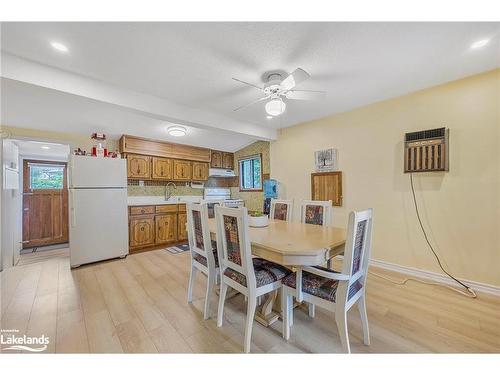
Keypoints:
pixel 326 160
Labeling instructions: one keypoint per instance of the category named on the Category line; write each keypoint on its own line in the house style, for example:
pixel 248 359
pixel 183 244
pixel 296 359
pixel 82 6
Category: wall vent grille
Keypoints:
pixel 427 151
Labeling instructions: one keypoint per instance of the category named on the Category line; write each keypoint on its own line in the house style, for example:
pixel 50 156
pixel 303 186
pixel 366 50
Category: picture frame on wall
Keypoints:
pixel 326 160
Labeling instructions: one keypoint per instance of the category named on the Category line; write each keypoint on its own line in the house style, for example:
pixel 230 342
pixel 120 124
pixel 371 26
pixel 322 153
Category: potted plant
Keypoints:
pixel 258 219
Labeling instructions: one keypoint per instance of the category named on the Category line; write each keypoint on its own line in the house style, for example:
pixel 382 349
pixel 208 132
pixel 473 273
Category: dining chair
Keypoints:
pixel 203 252
pixel 316 212
pixel 335 291
pixel 252 277
pixel 281 209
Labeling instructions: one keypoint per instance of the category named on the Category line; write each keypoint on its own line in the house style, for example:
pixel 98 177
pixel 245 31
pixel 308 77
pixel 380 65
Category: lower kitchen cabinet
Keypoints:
pixel 166 228
pixel 151 227
pixel 182 234
pixel 142 231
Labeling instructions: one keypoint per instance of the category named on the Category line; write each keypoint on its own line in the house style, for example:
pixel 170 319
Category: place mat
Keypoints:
pixel 178 249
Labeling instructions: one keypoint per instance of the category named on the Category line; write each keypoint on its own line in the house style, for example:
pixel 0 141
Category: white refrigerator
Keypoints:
pixel 98 227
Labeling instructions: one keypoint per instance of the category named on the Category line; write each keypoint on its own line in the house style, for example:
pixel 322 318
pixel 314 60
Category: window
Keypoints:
pixel 46 176
pixel 250 173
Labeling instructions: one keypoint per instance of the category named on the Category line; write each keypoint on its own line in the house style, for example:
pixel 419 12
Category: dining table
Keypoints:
pixel 293 245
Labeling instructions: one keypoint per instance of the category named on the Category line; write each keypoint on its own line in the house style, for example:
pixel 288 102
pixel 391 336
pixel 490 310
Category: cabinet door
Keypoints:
pixel 138 166
pixel 182 227
pixel 166 228
pixel 162 169
pixel 327 186
pixel 182 170
pixel 227 160
pixel 141 231
pixel 216 160
pixel 200 171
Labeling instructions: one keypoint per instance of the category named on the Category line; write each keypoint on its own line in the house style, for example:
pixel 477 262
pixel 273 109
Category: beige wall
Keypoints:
pixel 460 209
pixel 254 201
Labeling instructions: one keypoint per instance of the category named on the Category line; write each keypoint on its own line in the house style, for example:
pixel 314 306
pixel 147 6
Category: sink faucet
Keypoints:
pixel 168 192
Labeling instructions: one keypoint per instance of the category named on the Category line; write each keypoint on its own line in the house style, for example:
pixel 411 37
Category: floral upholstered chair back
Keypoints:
pixel 356 255
pixel 316 212
pixel 211 207
pixel 233 243
pixel 281 209
pixel 199 233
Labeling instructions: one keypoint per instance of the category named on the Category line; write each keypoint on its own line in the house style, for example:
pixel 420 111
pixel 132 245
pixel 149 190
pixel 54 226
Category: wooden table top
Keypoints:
pixel 291 243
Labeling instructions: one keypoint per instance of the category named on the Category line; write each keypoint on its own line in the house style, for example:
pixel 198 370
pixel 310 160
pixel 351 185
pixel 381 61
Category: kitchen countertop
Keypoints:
pixel 160 200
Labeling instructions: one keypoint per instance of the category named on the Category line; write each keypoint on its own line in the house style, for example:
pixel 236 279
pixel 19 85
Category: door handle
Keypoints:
pixel 73 213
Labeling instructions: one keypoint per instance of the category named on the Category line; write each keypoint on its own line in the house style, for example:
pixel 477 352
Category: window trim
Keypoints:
pixel 27 179
pixel 240 176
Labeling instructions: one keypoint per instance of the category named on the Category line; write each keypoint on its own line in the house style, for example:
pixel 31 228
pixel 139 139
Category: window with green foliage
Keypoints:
pixel 46 176
pixel 251 173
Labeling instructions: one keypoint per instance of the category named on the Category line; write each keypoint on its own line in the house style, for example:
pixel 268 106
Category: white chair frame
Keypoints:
pixel 211 271
pixel 289 210
pixel 251 292
pixel 346 278
pixel 216 201
pixel 327 210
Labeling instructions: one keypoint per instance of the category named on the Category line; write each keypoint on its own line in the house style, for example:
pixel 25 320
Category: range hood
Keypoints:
pixel 220 172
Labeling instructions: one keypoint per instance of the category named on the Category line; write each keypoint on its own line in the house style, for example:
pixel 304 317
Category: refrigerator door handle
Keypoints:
pixel 73 213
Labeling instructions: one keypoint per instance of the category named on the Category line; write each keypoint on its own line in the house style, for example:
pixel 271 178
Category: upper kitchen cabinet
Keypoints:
pixel 227 160
pixel 216 161
pixel 162 169
pixel 138 166
pixel 144 146
pixel 182 170
pixel 200 171
pixel 221 159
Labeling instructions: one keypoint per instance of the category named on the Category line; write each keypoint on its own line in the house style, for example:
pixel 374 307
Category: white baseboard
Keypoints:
pixel 433 276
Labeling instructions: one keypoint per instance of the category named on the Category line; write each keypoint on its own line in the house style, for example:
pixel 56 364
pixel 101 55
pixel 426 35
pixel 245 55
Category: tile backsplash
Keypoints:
pixel 134 190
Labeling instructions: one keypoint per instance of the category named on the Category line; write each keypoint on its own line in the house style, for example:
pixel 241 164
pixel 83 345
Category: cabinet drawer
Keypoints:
pixel 166 208
pixel 142 210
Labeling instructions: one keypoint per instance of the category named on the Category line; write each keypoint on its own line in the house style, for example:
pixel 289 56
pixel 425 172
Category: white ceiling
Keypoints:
pixel 192 64
pixel 30 106
pixel 38 150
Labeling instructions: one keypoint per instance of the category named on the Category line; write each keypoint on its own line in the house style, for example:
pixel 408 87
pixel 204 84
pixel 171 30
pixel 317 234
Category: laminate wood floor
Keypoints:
pixel 138 305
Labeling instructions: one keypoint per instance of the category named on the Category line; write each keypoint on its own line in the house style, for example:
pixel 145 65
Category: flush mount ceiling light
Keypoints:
pixel 177 131
pixel 45 147
pixel 269 117
pixel 479 44
pixel 275 107
pixel 59 46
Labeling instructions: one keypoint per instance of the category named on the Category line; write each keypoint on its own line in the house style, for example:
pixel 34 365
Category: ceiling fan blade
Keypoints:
pixel 247 83
pixel 254 102
pixel 305 95
pixel 294 78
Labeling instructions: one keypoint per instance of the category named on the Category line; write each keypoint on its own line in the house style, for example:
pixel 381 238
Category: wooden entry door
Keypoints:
pixel 45 203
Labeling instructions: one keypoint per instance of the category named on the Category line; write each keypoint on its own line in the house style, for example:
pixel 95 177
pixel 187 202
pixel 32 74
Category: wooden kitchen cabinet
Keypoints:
pixel 141 231
pixel 161 168
pixel 138 166
pixel 182 170
pixel 166 228
pixel 182 226
pixel 227 160
pixel 216 160
pixel 200 171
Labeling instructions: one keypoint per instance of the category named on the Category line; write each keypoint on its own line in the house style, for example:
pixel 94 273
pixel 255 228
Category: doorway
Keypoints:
pixel 45 203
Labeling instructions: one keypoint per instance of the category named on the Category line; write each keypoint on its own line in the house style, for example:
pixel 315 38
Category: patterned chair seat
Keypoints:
pixel 265 273
pixel 201 259
pixel 320 286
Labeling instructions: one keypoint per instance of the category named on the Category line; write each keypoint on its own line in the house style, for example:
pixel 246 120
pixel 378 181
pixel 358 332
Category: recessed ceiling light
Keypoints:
pixel 269 117
pixel 59 46
pixel 45 147
pixel 479 44
pixel 177 131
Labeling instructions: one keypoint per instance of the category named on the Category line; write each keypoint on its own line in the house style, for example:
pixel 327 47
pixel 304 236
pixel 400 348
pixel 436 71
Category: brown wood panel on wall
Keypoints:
pixel 327 186
pixel 45 211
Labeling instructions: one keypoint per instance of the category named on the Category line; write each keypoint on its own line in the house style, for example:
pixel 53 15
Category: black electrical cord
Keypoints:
pixel 427 239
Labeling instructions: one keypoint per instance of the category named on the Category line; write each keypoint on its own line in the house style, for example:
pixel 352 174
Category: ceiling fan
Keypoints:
pixel 277 87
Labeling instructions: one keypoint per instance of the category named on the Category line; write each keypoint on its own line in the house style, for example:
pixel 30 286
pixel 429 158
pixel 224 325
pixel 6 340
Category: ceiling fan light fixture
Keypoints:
pixel 275 107
pixel 177 131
